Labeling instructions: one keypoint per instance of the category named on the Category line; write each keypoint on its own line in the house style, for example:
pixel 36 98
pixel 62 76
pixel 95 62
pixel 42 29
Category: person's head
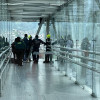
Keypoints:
pixel 18 39
pixel 86 39
pixel 36 37
pixel 48 36
pixel 15 40
pixel 25 35
pixel 69 37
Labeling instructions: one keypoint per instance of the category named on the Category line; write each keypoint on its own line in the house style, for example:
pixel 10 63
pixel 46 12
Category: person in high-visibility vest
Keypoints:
pixel 29 48
pixel 48 49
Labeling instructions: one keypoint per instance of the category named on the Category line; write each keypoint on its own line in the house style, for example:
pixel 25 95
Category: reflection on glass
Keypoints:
pixel 81 19
pixel 3 42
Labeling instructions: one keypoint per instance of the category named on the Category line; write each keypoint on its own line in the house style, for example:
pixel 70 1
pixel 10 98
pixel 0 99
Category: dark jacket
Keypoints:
pixel 29 44
pixel 20 45
pixel 26 42
pixel 13 47
pixel 36 44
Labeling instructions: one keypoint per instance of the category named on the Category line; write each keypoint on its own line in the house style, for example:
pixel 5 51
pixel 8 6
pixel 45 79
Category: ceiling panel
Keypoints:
pixel 32 9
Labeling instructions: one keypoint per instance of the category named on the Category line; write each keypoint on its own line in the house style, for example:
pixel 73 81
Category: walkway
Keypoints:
pixel 41 82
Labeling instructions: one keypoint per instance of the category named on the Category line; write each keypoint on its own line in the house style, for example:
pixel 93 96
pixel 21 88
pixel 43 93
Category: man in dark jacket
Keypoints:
pixel 25 39
pixel 13 48
pixel 20 48
pixel 36 46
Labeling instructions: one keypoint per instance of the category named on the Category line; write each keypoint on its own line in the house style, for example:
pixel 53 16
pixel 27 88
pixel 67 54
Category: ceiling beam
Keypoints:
pixel 30 8
pixel 62 6
pixel 31 13
pixel 26 15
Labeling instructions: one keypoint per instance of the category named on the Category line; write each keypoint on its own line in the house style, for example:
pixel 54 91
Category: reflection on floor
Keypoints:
pixel 41 82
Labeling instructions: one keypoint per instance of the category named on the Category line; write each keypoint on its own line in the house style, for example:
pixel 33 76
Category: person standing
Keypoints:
pixel 25 39
pixel 48 49
pixel 36 45
pixel 29 48
pixel 69 44
pixel 85 45
pixel 20 48
pixel 13 49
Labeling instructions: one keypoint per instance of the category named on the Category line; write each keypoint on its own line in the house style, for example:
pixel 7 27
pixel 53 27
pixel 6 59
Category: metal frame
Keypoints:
pixel 77 62
pixel 3 67
pixel 78 50
pixel 81 64
pixel 40 26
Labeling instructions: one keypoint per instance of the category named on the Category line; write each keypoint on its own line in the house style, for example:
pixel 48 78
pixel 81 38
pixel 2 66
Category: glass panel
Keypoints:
pixel 4 26
pixel 80 20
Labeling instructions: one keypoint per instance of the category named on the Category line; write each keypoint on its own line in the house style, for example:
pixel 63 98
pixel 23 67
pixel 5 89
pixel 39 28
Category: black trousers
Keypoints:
pixel 35 56
pixel 14 54
pixel 20 54
pixel 47 56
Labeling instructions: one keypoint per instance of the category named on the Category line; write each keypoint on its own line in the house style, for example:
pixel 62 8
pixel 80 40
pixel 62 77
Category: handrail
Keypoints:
pixel 5 66
pixel 4 51
pixel 3 48
pixel 81 64
pixel 4 69
pixel 3 62
pixel 81 57
pixel 74 49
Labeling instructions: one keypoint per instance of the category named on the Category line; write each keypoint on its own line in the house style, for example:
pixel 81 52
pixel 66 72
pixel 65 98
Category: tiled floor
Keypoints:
pixel 40 82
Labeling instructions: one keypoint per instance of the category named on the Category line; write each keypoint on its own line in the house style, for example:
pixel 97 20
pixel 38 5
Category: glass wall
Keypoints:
pixel 79 21
pixel 5 25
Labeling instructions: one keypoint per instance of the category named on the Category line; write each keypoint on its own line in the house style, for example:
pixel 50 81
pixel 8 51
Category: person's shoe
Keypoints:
pixel 35 61
pixel 20 65
pixel 44 61
pixel 27 61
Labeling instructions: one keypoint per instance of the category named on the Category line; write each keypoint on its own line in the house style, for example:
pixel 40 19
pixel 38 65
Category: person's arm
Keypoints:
pixel 42 42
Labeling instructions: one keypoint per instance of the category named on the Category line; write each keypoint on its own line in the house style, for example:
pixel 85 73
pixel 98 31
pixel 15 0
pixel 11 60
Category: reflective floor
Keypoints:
pixel 41 82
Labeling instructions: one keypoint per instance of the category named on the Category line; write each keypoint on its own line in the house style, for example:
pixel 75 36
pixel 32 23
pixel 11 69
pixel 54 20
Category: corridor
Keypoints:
pixel 41 82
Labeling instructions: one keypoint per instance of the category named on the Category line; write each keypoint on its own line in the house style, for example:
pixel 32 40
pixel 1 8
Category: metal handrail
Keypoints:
pixel 78 63
pixel 81 57
pixel 3 48
pixel 74 49
pixel 3 61
pixel 5 66
pixel 3 70
pixel 4 51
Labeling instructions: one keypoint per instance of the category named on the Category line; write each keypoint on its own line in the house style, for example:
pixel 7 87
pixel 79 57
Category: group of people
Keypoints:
pixel 23 48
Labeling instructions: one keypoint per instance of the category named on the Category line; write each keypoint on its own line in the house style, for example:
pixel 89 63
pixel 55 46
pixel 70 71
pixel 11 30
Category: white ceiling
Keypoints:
pixel 32 10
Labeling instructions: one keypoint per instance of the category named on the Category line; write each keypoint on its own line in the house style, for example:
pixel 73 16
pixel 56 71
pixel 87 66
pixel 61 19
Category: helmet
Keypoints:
pixel 29 36
pixel 48 36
